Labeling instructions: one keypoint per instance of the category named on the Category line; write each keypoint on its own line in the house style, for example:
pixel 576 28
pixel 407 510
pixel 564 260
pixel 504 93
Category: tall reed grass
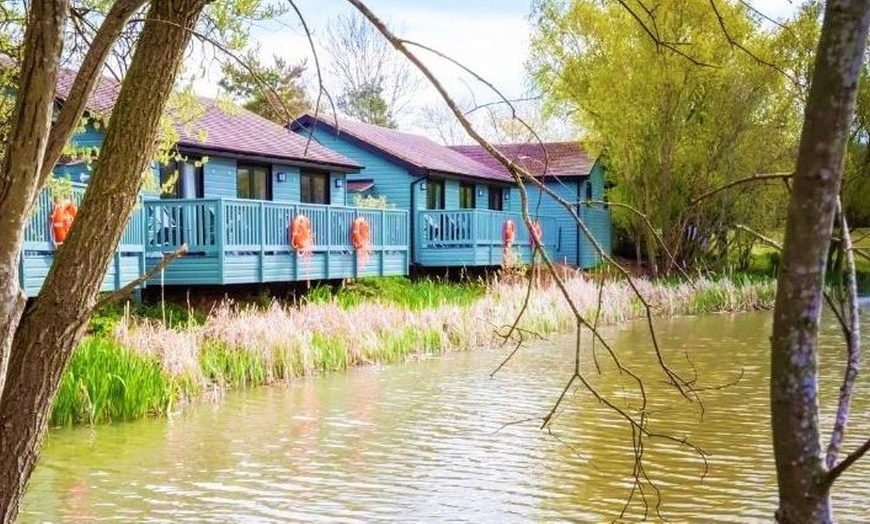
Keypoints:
pixel 244 346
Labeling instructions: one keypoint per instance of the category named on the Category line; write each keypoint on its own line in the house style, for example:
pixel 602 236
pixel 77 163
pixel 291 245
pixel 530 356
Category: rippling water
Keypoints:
pixel 440 440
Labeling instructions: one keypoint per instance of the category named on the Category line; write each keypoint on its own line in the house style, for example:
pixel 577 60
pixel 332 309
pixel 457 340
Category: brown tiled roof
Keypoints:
pixel 237 130
pixel 413 150
pixel 563 159
pixel 221 129
pixel 101 100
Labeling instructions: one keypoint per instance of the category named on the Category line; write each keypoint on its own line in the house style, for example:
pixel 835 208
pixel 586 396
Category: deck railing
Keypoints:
pixel 38 234
pixel 210 226
pixel 476 228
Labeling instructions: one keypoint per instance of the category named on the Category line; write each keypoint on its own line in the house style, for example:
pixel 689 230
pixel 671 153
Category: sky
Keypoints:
pixel 489 36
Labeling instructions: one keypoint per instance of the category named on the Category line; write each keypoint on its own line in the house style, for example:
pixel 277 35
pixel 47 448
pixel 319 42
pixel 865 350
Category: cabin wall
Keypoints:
pixel 391 181
pixel 565 250
pixel 338 189
pixel 289 190
pixel 219 177
pixel 597 219
pixel 87 138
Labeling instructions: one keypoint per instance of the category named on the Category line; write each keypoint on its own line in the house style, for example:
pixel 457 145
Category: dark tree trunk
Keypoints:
pixel 50 329
pixel 24 155
pixel 803 494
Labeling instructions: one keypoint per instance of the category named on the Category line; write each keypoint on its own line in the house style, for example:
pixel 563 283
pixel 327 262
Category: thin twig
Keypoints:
pixel 853 346
pixel 125 291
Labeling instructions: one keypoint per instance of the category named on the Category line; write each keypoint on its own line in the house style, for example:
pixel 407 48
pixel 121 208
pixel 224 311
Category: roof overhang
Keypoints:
pixel 198 149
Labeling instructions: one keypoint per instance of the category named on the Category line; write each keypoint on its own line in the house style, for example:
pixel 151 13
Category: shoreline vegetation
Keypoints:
pixel 152 360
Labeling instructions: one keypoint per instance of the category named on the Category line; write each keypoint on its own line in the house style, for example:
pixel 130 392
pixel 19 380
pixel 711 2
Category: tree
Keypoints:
pixel 374 85
pixel 804 474
pixel 37 342
pixel 670 128
pixel 366 103
pixel 272 91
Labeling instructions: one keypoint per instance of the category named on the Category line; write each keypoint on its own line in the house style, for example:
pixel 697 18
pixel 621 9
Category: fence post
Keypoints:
pixel 262 241
pixel 328 240
pixel 381 231
pixel 219 240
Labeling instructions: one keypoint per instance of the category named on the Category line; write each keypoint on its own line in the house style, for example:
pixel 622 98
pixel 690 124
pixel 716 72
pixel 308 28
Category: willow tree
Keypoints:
pixel 671 125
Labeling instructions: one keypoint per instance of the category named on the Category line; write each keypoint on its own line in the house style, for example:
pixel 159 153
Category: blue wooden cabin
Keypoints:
pixel 231 193
pixel 566 169
pixel 458 206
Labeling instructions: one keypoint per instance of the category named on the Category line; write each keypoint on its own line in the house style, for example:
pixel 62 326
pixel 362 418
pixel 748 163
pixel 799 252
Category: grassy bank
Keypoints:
pixel 149 363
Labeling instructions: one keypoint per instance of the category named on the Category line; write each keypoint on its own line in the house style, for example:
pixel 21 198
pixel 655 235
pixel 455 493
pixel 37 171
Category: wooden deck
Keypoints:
pixel 37 253
pixel 234 241
pixel 473 237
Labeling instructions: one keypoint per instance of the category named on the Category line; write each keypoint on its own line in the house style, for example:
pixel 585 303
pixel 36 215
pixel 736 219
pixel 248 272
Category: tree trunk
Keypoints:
pixel 651 253
pixel 24 153
pixel 52 327
pixel 803 496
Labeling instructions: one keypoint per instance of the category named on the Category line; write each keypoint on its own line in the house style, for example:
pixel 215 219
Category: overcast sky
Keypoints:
pixel 490 36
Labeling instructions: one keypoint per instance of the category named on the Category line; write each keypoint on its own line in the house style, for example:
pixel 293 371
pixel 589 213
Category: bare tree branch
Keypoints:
pixel 125 291
pixel 753 178
pixel 853 347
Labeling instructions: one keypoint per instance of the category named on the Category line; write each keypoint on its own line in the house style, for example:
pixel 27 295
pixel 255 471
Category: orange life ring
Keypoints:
pixel 509 234
pixel 361 234
pixel 537 232
pixel 62 219
pixel 300 234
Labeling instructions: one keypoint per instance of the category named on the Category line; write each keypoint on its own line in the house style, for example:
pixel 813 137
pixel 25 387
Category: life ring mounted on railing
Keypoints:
pixel 61 219
pixel 361 237
pixel 301 237
pixel 509 234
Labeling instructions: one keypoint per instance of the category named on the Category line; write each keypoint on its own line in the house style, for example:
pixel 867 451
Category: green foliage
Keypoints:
pixel 236 368
pixel 372 202
pixel 274 91
pixel 366 103
pixel 668 128
pixel 105 382
pixel 411 294
pixel 106 319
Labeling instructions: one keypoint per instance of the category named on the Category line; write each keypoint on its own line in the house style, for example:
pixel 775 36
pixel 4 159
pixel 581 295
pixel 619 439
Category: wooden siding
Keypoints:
pixel 391 180
pixel 289 189
pixel 562 245
pixel 597 219
pixel 219 177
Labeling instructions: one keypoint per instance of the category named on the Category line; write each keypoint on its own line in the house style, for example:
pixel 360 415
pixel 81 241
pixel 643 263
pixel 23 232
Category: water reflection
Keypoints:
pixel 440 440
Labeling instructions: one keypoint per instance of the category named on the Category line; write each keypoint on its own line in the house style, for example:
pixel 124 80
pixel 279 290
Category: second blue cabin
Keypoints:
pixel 565 169
pixel 459 208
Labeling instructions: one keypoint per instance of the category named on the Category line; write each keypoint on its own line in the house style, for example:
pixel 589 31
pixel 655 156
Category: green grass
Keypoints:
pixel 400 291
pixel 398 319
pixel 105 382
pixel 105 320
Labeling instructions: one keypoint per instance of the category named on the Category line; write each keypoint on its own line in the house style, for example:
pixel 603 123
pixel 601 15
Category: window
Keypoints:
pixel 254 182
pixel 466 195
pixel 435 194
pixel 588 190
pixel 496 198
pixel 314 187
pixel 181 179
